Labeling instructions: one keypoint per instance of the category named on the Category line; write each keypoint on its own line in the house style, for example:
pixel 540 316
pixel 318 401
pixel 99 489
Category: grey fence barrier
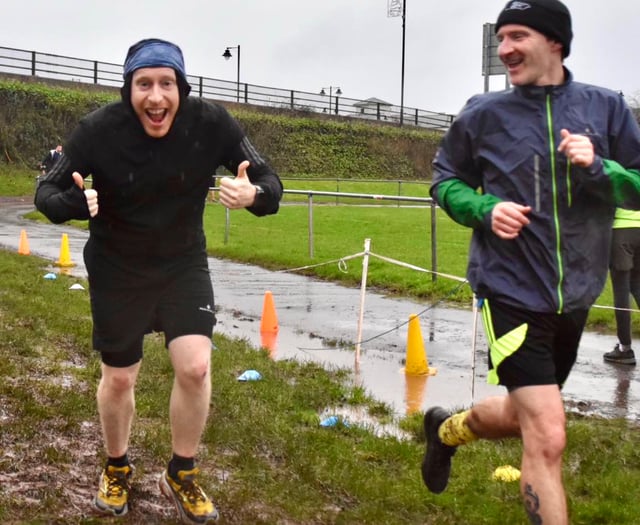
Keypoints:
pixel 58 67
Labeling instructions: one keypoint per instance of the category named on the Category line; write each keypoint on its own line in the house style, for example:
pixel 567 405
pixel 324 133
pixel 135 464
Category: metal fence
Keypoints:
pixel 57 67
pixel 427 202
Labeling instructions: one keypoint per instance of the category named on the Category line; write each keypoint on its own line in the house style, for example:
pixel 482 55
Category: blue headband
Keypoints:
pixel 153 52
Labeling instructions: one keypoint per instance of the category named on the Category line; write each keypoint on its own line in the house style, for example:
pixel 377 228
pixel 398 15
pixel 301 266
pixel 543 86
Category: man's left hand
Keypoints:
pixel 237 192
pixel 577 148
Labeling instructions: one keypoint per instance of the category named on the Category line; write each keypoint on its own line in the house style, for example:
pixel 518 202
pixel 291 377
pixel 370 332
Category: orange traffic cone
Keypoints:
pixel 269 341
pixel 23 247
pixel 269 321
pixel 65 257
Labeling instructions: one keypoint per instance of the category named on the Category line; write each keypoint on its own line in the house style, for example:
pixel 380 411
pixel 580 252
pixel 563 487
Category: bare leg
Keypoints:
pixel 537 414
pixel 116 406
pixel 191 394
pixel 494 418
pixel 542 422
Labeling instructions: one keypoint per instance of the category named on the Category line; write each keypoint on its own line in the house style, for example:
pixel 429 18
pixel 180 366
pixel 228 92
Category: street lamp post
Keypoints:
pixel 338 93
pixel 404 25
pixel 395 9
pixel 227 55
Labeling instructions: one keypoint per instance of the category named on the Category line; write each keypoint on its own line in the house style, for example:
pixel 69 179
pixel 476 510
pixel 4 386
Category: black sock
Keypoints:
pixel 179 463
pixel 122 461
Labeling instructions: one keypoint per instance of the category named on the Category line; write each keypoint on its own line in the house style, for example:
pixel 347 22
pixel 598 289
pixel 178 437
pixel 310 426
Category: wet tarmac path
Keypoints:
pixel 319 321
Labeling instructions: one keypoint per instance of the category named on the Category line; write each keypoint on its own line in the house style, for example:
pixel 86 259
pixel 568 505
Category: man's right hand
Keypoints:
pixel 90 195
pixel 508 218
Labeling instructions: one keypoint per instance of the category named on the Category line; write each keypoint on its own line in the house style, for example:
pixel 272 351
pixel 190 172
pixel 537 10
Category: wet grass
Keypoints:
pixel 282 242
pixel 265 457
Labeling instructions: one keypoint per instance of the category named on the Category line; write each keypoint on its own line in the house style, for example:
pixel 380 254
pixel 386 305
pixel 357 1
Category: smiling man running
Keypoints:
pixel 151 157
pixel 537 172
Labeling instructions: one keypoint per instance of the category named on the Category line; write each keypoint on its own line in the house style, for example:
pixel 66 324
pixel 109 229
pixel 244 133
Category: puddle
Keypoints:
pixel 318 321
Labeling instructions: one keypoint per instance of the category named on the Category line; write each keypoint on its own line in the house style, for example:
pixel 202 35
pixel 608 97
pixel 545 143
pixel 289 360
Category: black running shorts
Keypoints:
pixel 175 298
pixel 530 348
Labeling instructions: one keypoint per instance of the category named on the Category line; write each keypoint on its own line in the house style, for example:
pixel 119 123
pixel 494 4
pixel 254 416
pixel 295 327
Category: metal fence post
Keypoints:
pixel 33 63
pixel 434 259
pixel 311 225
pixel 227 225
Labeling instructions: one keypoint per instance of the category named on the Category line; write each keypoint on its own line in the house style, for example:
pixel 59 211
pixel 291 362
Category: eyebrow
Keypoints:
pixel 162 78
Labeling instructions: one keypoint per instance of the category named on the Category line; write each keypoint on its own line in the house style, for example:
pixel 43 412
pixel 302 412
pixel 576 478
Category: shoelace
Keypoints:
pixel 190 488
pixel 116 483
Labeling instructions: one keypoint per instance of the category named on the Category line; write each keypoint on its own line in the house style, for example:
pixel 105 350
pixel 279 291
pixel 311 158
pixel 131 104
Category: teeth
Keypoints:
pixel 156 115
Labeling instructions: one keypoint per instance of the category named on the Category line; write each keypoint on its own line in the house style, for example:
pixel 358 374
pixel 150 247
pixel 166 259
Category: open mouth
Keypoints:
pixel 156 115
pixel 512 63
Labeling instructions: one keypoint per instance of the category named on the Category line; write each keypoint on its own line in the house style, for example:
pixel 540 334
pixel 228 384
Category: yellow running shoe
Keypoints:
pixel 113 493
pixel 187 496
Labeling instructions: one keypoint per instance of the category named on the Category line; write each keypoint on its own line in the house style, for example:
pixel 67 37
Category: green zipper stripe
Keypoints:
pixel 487 321
pixel 568 180
pixel 556 218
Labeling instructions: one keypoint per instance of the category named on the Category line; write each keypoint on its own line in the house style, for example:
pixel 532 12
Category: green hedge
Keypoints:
pixel 36 115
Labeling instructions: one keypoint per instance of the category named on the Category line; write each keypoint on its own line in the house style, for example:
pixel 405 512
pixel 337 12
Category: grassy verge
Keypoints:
pixel 265 457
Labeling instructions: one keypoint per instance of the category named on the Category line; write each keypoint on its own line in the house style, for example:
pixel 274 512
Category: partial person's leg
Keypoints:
pixel 116 406
pixel 191 394
pixel 620 284
pixel 189 408
pixel 634 284
pixel 542 423
pixel 623 283
pixel 494 418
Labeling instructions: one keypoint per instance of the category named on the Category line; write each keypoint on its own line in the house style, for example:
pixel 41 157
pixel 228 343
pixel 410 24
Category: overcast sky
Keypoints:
pixel 305 45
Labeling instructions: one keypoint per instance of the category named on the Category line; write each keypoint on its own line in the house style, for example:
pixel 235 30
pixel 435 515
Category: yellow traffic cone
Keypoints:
pixel 23 246
pixel 65 257
pixel 415 387
pixel 416 362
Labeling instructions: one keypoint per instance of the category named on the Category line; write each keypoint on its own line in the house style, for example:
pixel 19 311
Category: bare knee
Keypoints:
pixel 118 380
pixel 546 442
pixel 191 356
pixel 194 373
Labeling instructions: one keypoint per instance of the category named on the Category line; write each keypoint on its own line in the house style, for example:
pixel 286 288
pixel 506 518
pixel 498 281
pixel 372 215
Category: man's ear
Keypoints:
pixel 555 45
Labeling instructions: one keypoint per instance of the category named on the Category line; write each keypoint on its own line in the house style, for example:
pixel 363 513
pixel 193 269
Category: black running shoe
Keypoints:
pixel 620 356
pixel 436 465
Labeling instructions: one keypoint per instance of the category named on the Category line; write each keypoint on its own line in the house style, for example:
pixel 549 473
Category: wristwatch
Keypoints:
pixel 259 191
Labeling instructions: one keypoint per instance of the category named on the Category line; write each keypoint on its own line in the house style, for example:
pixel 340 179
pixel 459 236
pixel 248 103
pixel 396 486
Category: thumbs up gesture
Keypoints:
pixel 90 195
pixel 237 192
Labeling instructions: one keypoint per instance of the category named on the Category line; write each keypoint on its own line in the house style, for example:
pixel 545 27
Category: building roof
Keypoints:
pixel 373 101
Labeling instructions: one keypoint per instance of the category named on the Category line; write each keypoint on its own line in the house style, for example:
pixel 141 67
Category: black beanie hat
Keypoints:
pixel 549 17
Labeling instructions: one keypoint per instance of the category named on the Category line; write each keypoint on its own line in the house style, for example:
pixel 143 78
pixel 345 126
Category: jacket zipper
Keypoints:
pixel 536 180
pixel 556 217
